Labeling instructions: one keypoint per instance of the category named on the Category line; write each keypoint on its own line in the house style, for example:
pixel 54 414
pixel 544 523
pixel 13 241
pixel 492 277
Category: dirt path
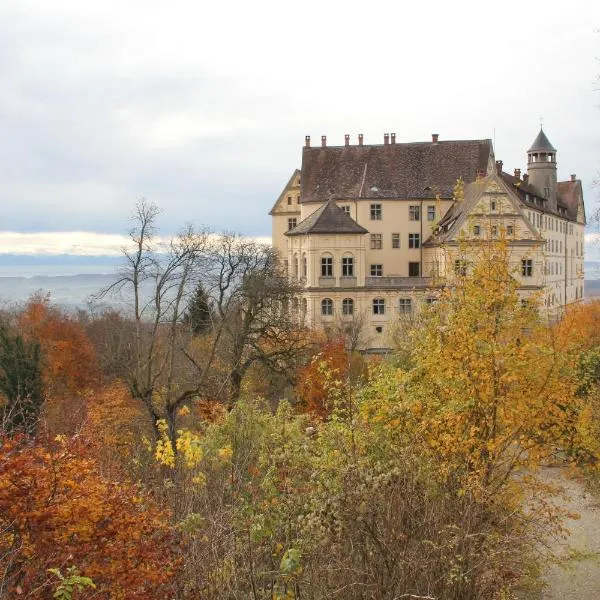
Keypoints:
pixel 576 573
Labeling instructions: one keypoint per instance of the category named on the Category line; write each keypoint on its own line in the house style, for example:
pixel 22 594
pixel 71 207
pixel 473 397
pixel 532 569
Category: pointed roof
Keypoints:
pixel 329 218
pixel 541 143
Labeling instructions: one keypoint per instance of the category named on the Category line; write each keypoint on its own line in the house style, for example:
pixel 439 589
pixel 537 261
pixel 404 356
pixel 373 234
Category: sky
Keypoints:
pixel 203 107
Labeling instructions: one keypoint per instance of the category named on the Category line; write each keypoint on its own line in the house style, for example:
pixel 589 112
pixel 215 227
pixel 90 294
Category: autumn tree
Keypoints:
pixel 69 359
pixel 57 511
pixel 491 392
pixel 240 281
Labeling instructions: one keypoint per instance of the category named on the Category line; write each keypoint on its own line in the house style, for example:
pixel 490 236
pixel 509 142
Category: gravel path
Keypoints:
pixel 576 573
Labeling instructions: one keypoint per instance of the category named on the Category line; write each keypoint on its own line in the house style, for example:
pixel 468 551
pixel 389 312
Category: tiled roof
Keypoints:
pixel 541 143
pixel 416 170
pixel 329 218
pixel 532 198
pixel 571 195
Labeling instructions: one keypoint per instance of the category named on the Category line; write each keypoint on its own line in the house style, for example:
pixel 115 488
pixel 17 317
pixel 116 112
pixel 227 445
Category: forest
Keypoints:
pixel 205 444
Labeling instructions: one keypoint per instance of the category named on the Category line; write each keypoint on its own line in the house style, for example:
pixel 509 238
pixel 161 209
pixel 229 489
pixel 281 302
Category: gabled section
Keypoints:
pixel 292 187
pixel 571 196
pixel 490 199
pixel 329 218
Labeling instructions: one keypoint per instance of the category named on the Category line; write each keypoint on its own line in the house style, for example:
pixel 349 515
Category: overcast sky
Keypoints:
pixel 202 107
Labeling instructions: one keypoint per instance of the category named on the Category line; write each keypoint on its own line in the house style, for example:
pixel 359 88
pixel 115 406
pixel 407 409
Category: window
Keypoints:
pixel 414 240
pixel 477 230
pixel 347 266
pixel 395 240
pixel 405 306
pixel 379 329
pixel 492 205
pixel 376 270
pixel 346 208
pixel 327 307
pixel 347 306
pixel 414 213
pixel 289 199
pixel 286 266
pixel 375 212
pixel 379 306
pixel 460 267
pixel 510 230
pixel 429 301
pixel 494 230
pixel 414 269
pixel 527 267
pixel 431 212
pixel 326 266
pixel 304 267
pixel 376 241
pixel 292 223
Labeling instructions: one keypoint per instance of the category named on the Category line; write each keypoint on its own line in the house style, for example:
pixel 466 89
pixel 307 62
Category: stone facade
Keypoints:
pixel 371 232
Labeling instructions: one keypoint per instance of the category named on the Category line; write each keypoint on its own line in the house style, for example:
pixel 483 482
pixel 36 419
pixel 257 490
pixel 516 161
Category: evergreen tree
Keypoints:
pixel 20 383
pixel 198 314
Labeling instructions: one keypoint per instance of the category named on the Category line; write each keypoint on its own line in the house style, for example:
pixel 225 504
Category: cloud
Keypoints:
pixel 74 243
pixel 204 112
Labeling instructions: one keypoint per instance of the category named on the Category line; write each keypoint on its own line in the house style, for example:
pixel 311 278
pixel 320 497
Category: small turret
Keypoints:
pixel 541 168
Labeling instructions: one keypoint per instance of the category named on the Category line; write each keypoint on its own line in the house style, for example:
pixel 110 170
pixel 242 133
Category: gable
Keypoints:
pixel 487 203
pixel 291 189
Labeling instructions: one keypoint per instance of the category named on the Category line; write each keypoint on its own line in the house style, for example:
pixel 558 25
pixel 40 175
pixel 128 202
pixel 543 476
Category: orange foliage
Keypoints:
pixel 580 327
pixel 116 421
pixel 57 511
pixel 327 368
pixel 70 364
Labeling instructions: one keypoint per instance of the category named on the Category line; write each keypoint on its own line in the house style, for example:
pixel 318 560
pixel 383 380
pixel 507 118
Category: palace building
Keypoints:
pixel 371 230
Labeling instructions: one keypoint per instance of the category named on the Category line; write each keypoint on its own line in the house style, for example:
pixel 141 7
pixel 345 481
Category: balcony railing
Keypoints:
pixel 399 282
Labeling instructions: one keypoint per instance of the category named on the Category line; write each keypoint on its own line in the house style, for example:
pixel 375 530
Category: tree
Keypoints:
pixel 198 315
pixel 57 511
pixel 253 301
pixel 20 383
pixel 491 391
pixel 242 284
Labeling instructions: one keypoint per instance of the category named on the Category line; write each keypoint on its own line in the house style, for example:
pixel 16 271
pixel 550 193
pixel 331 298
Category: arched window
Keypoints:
pixel 327 265
pixel 296 266
pixel 327 307
pixel 295 306
pixel 304 266
pixel 347 306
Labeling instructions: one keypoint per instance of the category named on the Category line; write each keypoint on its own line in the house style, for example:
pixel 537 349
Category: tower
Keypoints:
pixel 541 167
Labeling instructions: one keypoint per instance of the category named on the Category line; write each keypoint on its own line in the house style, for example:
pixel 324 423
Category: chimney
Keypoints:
pixel 573 177
pixel 360 139
pixel 518 173
pixel 499 167
pixel 386 138
pixel 346 140
pixel 324 141
pixel 480 173
pixel 434 138
pixel 307 141
pixel 393 136
pixel 525 177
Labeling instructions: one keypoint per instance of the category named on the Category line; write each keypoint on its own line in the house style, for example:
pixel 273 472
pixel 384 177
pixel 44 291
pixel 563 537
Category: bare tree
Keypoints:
pixel 159 283
pixel 254 302
pixel 249 320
